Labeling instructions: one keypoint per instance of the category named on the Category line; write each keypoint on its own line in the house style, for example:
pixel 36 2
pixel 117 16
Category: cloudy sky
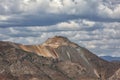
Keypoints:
pixel 94 24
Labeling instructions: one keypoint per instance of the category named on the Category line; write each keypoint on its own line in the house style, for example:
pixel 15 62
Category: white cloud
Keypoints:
pixel 99 37
pixel 94 24
pixel 3 18
pixel 88 23
pixel 106 11
pixel 46 12
pixel 72 25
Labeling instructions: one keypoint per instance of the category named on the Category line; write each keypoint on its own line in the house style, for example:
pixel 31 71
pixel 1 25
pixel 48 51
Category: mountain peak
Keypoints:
pixel 57 41
pixel 47 49
pixel 58 58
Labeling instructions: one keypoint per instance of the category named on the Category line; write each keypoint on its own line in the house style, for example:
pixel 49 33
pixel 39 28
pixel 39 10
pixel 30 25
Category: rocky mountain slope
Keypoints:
pixel 55 59
pixel 116 75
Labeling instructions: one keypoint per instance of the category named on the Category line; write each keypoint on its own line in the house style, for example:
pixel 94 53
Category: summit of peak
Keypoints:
pixel 57 41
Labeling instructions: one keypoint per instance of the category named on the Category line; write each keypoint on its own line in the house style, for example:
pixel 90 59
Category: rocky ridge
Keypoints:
pixel 56 59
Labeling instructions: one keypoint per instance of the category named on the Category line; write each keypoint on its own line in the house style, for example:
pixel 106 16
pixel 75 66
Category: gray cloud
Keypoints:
pixel 99 37
pixel 94 24
pixel 50 12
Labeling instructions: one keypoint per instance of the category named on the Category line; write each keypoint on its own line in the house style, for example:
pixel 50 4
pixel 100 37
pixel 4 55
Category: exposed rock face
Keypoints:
pixel 47 49
pixel 116 75
pixel 56 59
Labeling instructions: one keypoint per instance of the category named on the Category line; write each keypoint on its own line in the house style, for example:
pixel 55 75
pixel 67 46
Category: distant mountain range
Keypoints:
pixel 110 58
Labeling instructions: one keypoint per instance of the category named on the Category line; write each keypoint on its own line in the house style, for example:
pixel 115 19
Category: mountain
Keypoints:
pixel 116 75
pixel 110 58
pixel 56 59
